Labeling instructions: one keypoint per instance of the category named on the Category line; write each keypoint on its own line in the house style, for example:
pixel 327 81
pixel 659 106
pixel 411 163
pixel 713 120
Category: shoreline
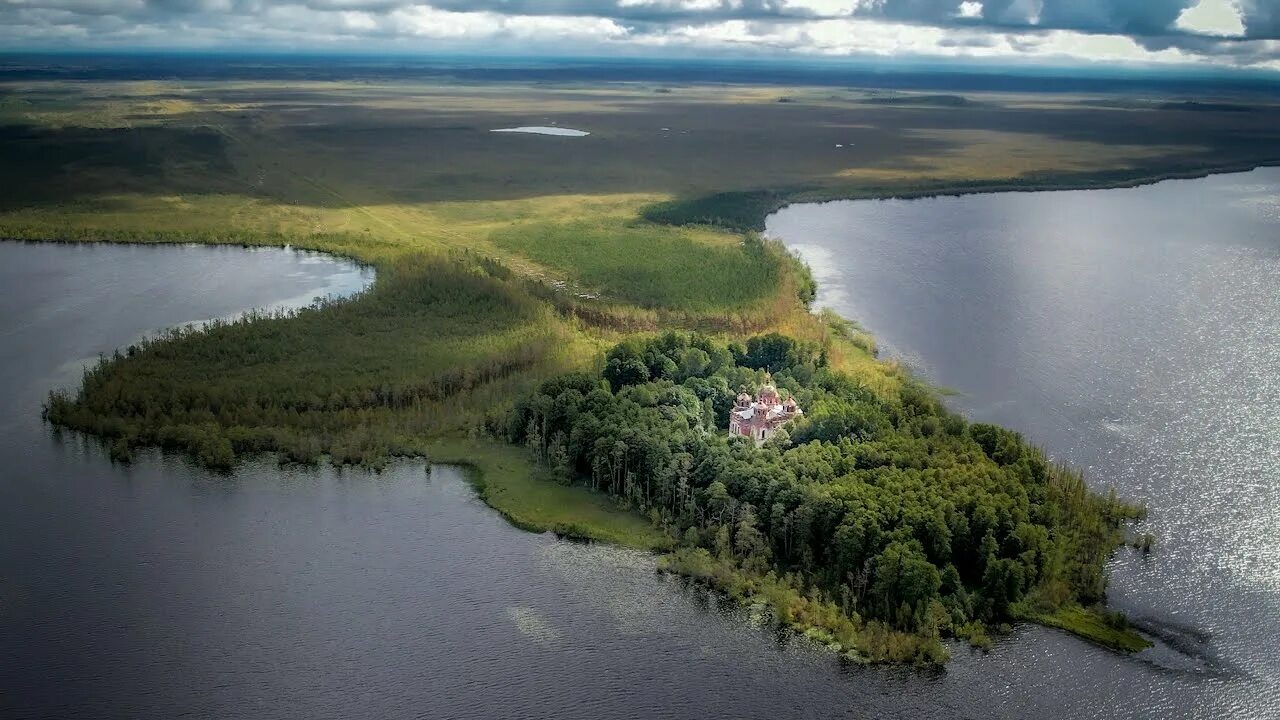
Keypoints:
pixel 265 241
pixel 511 484
pixel 757 205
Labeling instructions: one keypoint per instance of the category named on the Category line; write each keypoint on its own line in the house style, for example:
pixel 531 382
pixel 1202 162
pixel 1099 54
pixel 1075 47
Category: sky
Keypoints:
pixel 1225 34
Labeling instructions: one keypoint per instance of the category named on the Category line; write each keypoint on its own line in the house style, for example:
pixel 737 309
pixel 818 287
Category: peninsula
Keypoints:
pixel 575 317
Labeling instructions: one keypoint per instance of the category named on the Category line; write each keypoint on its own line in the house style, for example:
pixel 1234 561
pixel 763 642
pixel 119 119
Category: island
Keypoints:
pixel 574 318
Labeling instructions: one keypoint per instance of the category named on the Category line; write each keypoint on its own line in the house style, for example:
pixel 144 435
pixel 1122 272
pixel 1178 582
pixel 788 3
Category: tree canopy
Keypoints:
pixel 898 510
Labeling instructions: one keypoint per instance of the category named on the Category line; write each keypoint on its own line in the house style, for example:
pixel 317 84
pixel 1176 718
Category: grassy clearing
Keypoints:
pixel 1093 626
pixel 509 482
pixel 652 267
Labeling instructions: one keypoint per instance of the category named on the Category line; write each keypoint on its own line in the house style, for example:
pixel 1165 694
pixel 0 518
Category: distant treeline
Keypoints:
pixel 878 525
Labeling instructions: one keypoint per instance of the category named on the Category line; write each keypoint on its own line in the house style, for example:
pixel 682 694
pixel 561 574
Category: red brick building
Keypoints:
pixel 760 417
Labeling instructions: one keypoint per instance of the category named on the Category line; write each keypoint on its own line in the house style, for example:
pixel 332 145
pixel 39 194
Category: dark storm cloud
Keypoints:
pixel 1122 17
pixel 1135 18
pixel 1261 17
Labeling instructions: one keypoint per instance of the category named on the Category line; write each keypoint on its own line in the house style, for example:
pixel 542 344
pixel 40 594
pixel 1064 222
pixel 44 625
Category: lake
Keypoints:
pixel 157 589
pixel 1134 333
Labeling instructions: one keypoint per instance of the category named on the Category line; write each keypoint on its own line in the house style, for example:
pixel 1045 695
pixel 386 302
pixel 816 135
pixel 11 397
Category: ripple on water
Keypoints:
pixel 1133 333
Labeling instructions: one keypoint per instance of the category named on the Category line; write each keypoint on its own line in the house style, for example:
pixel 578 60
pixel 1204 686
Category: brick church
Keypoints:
pixel 760 417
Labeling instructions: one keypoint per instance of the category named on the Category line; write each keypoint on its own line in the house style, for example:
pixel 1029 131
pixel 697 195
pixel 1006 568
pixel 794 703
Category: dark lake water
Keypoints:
pixel 156 590
pixel 1134 333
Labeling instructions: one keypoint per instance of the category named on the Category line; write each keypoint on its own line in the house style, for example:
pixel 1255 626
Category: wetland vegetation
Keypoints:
pixel 506 263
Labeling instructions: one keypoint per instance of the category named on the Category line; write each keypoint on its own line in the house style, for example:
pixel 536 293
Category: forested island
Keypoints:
pixel 570 317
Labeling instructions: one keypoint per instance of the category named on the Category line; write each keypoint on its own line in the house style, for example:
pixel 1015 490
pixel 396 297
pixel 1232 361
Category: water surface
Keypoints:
pixel 1134 333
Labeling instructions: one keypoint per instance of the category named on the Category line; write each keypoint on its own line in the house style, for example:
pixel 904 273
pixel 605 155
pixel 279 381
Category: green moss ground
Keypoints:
pixel 1093 627
pixel 508 481
pixel 646 265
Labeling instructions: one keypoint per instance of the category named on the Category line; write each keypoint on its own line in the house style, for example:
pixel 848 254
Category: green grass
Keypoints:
pixel 1092 626
pixel 508 481
pixel 648 265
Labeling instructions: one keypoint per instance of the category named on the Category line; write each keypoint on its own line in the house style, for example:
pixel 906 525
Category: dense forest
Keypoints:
pixel 878 525
pixel 423 352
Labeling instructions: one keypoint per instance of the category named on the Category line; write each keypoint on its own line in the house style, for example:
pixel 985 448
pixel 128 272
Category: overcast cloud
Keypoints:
pixel 1237 33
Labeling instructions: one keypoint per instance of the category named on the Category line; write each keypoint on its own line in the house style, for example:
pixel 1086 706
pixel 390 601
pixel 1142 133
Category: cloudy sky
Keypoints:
pixel 1221 33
